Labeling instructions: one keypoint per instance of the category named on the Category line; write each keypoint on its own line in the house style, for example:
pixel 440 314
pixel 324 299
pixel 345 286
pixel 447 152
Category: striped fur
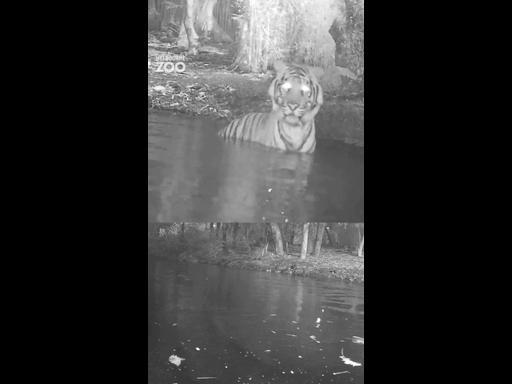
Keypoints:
pixel 290 126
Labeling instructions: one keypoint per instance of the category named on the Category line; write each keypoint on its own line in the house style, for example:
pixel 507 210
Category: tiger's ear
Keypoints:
pixel 279 66
pixel 320 96
pixel 317 72
pixel 271 89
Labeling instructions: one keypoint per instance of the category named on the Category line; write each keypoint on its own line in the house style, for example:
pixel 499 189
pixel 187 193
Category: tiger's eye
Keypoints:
pixel 286 87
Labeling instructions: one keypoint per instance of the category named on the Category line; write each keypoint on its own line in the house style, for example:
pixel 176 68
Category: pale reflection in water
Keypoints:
pixel 193 175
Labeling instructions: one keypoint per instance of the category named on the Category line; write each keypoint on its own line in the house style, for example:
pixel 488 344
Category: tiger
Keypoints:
pixel 296 98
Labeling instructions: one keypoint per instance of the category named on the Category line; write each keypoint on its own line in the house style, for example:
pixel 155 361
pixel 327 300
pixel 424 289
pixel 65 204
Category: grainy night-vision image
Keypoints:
pixel 256 191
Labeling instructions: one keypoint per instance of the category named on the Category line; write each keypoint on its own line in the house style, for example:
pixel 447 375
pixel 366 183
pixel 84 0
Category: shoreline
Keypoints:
pixel 331 264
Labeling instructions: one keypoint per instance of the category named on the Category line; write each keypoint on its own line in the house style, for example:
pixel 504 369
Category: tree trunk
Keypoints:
pixel 236 228
pixel 305 235
pixel 332 241
pixel 292 234
pixel 286 236
pixel 319 238
pixel 313 235
pixel 247 227
pixel 153 16
pixel 182 232
pixel 276 231
pixel 288 30
pixel 188 23
pixel 361 248
pixel 224 232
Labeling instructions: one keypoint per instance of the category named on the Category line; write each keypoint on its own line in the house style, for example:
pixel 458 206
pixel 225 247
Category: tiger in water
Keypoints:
pixel 290 126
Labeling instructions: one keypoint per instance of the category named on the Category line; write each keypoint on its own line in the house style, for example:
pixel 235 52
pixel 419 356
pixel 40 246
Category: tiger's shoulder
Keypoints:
pixel 251 127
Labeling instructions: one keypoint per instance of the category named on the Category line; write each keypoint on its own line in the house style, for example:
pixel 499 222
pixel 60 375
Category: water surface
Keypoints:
pixel 236 326
pixel 194 175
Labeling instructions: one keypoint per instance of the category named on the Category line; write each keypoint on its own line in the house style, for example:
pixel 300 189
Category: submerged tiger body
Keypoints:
pixel 290 126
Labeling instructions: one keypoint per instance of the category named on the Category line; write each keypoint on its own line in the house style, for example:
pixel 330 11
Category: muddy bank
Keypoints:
pixel 207 86
pixel 331 264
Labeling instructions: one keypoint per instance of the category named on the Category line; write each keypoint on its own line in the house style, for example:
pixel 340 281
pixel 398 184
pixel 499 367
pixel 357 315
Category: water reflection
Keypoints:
pixel 239 326
pixel 193 175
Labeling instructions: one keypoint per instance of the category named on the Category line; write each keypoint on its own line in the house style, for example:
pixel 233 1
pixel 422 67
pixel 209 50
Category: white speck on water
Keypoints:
pixel 176 360
pixel 339 373
pixel 300 357
pixel 198 349
pixel 270 190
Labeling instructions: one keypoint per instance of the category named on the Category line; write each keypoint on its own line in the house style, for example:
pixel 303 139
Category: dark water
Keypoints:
pixel 194 175
pixel 235 326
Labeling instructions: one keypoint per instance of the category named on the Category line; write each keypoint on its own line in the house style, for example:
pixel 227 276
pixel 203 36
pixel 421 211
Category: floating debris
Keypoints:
pixel 358 340
pixel 198 349
pixel 176 360
pixel 267 350
pixel 347 361
pixel 273 331
pixel 205 377
pixel 314 339
pixel 290 334
pixel 339 373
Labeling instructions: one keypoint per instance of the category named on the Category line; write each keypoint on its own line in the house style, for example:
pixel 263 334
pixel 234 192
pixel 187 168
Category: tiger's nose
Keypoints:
pixel 292 106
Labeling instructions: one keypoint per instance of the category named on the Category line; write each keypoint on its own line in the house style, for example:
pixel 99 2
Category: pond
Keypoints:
pixel 194 175
pixel 240 326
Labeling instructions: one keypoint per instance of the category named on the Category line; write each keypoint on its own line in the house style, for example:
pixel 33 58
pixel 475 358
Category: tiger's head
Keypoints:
pixel 296 96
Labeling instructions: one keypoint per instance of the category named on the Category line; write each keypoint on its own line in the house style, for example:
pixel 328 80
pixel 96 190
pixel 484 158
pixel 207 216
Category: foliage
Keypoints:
pixel 353 44
pixel 288 30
